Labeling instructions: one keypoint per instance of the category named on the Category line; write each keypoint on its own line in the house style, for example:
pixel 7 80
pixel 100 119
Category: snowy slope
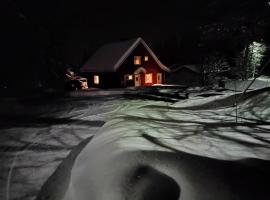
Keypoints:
pixel 37 134
pixel 156 150
pixel 241 85
pixel 147 149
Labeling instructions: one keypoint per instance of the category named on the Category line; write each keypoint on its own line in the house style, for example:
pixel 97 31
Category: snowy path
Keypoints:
pixel 35 139
pixel 194 146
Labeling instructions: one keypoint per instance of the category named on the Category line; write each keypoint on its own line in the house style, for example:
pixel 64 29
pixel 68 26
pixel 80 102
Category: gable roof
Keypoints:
pixel 110 57
pixel 176 67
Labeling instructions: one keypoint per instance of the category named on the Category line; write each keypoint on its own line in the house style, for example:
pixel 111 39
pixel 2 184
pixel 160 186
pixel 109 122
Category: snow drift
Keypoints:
pixel 191 150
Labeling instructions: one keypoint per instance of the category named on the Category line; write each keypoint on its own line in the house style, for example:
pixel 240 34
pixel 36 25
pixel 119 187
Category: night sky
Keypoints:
pixel 87 24
pixel 70 31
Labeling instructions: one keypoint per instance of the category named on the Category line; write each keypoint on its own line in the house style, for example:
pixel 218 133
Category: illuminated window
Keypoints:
pixel 146 58
pixel 96 79
pixel 137 60
pixel 128 77
pixel 148 78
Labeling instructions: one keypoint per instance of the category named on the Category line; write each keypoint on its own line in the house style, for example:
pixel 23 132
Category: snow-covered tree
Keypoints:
pixel 248 60
pixel 255 56
pixel 214 68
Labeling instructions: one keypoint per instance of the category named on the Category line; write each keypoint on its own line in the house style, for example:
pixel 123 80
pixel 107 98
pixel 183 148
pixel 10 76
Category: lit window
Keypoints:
pixel 137 60
pixel 96 79
pixel 128 77
pixel 146 58
pixel 148 78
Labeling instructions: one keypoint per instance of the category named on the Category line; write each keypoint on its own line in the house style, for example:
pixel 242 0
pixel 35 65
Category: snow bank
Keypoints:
pixel 240 85
pixel 94 92
pixel 38 133
pixel 161 151
pixel 255 103
pixel 255 106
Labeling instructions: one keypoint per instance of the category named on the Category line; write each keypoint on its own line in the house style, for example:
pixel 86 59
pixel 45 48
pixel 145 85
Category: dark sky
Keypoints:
pixel 78 27
pixel 106 20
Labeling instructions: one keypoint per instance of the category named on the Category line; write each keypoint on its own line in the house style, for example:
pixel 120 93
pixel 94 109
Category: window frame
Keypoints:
pixel 137 60
pixel 128 77
pixel 96 79
pixel 146 79
pixel 146 58
pixel 159 78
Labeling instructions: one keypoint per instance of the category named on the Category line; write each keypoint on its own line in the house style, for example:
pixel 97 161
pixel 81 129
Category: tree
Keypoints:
pixel 234 34
pixel 256 53
pixel 214 68
pixel 249 59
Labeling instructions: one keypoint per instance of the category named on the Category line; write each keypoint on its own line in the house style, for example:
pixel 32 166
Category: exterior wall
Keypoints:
pixel 150 66
pixel 117 79
pixel 106 79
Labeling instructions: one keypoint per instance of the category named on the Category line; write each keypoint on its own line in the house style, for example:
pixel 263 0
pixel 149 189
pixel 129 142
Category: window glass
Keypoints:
pixel 96 79
pixel 137 60
pixel 148 78
pixel 146 58
pixel 128 77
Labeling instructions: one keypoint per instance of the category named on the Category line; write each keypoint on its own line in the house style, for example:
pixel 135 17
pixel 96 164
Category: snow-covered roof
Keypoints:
pixel 176 67
pixel 110 57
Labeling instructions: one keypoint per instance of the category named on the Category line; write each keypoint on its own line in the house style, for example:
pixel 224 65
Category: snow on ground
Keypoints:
pixel 198 153
pixel 240 85
pixel 152 146
pixel 36 135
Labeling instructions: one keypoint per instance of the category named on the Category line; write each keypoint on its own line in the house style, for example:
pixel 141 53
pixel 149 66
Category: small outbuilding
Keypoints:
pixel 123 64
pixel 188 75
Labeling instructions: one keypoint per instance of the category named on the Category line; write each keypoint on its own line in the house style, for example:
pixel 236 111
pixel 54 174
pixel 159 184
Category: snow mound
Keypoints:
pixel 191 150
pixel 258 99
pixel 241 85
pixel 255 105
pixel 157 151
pixel 111 173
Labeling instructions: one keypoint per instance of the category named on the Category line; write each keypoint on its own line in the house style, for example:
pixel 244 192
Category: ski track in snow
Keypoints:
pixel 133 127
pixel 194 146
pixel 32 149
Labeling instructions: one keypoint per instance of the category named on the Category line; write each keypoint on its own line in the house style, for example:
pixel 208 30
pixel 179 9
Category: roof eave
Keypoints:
pixel 133 46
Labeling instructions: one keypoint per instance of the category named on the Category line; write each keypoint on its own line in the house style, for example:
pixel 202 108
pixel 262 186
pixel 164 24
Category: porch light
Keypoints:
pixel 130 77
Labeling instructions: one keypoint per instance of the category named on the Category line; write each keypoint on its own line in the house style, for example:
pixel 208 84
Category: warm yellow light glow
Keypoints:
pixel 96 79
pixel 128 77
pixel 146 58
pixel 148 78
pixel 137 60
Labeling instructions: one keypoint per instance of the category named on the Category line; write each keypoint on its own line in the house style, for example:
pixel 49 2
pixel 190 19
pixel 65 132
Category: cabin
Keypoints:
pixel 186 75
pixel 124 64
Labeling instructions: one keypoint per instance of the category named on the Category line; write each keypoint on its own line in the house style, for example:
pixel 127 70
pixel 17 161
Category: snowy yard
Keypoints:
pixel 36 137
pixel 145 146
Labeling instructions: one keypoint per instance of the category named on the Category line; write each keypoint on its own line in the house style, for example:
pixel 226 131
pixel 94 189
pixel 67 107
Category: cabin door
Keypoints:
pixel 159 78
pixel 137 80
